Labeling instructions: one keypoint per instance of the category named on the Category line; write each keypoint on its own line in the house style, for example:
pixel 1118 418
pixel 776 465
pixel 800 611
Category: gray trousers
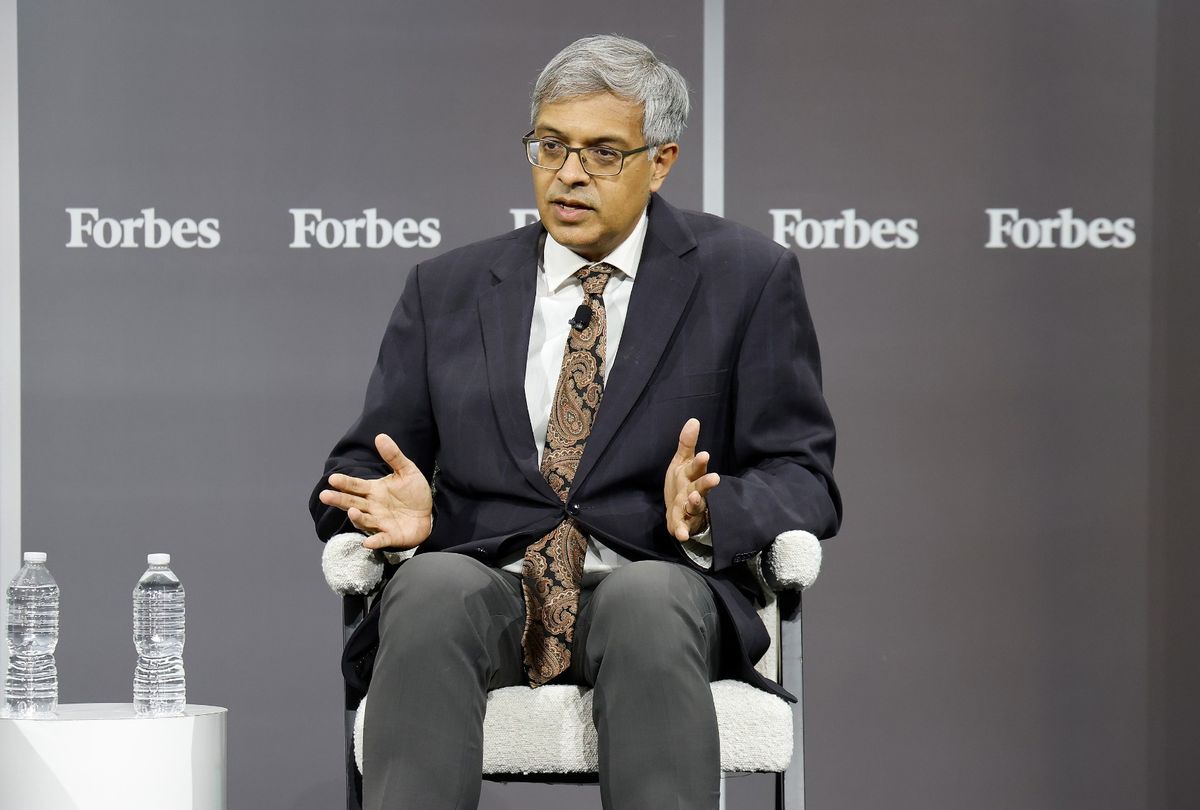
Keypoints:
pixel 646 640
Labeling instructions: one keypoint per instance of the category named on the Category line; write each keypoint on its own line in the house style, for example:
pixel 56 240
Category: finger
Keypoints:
pixel 362 520
pixel 679 519
pixel 342 500
pixel 694 510
pixel 697 467
pixel 705 484
pixel 389 451
pixel 348 483
pixel 674 518
pixel 687 439
pixel 681 531
pixel 390 540
pixel 376 541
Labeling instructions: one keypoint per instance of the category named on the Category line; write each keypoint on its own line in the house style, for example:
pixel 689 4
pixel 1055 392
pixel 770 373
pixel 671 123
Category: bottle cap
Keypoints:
pixel 35 556
pixel 158 559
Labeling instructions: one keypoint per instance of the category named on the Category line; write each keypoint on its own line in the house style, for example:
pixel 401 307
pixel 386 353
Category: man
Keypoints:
pixel 560 378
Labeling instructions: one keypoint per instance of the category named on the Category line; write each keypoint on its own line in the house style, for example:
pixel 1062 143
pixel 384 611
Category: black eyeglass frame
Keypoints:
pixel 624 153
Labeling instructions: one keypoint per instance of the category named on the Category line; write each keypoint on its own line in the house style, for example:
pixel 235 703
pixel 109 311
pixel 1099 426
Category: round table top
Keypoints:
pixel 114 711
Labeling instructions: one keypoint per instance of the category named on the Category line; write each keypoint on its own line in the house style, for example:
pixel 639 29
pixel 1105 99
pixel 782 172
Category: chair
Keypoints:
pixel 756 727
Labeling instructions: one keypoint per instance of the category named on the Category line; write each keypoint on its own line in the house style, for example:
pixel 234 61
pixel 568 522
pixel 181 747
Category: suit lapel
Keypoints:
pixel 660 295
pixel 505 314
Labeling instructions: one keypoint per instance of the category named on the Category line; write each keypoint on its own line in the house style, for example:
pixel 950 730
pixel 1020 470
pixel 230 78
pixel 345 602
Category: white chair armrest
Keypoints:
pixel 350 569
pixel 792 561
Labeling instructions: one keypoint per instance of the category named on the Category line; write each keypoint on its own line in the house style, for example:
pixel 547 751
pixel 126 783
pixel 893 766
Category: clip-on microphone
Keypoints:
pixel 583 316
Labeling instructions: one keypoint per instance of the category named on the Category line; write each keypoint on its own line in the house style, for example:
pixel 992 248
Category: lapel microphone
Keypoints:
pixel 583 316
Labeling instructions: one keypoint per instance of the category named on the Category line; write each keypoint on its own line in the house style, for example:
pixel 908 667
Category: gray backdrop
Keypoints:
pixel 1175 417
pixel 991 628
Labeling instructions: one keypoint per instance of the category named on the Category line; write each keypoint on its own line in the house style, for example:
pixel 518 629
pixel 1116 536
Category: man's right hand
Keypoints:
pixel 395 511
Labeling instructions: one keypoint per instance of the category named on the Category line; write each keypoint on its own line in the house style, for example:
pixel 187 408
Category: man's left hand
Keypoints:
pixel 687 484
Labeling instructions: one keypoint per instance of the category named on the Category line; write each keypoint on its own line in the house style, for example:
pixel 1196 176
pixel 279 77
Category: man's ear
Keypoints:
pixel 664 159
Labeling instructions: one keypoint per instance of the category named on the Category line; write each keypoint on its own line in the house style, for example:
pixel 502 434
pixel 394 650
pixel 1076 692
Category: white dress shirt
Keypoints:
pixel 559 294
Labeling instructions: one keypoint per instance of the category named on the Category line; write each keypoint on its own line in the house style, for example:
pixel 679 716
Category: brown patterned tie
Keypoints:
pixel 554 564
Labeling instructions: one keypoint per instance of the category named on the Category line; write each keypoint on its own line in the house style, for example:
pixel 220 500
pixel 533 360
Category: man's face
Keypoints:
pixel 592 215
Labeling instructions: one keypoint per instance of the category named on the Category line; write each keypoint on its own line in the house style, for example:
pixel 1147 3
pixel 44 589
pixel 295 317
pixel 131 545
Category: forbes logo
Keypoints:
pixel 1007 228
pixel 524 216
pixel 847 231
pixel 89 228
pixel 369 230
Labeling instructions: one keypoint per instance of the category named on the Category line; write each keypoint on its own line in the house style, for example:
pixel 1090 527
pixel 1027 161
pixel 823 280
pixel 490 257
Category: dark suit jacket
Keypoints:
pixel 717 328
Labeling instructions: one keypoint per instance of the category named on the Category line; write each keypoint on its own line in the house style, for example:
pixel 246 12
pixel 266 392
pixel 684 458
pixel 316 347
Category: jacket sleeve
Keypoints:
pixel 397 403
pixel 780 452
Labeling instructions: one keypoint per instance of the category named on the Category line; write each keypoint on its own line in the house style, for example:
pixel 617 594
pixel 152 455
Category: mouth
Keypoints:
pixel 568 210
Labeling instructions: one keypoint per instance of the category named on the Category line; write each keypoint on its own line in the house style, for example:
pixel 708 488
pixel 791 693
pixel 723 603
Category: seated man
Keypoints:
pixel 559 377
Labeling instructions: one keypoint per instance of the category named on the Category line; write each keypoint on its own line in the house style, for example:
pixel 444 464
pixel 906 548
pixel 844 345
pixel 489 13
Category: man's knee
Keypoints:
pixel 652 598
pixel 436 588
pixel 651 582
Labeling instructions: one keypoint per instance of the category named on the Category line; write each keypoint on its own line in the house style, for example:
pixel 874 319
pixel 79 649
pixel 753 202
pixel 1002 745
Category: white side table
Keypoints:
pixel 98 756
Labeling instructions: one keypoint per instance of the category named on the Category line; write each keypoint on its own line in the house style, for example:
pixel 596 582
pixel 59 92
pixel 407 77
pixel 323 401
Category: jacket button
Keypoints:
pixel 573 509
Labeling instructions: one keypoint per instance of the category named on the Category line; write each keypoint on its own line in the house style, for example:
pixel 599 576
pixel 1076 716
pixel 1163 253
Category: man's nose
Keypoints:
pixel 572 172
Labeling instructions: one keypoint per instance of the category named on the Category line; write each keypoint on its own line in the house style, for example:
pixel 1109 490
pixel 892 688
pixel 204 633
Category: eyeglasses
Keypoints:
pixel 598 161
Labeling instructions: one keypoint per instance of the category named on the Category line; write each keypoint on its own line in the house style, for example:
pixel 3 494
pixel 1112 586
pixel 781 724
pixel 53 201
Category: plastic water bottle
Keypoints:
pixel 158 614
pixel 31 684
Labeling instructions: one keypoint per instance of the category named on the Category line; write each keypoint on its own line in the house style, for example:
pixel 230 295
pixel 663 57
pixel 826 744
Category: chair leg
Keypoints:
pixel 353 779
pixel 780 795
pixel 722 805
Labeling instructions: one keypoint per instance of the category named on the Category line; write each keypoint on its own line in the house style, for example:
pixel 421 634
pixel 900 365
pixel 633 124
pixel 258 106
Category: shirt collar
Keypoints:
pixel 559 263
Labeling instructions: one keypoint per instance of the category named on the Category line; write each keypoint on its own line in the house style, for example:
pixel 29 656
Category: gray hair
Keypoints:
pixel 627 69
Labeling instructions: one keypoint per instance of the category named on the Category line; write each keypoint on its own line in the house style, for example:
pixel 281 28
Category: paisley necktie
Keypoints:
pixel 553 566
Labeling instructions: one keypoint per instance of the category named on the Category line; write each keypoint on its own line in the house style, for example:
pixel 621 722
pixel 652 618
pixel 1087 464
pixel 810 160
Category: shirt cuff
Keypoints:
pixel 701 554
pixel 704 537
